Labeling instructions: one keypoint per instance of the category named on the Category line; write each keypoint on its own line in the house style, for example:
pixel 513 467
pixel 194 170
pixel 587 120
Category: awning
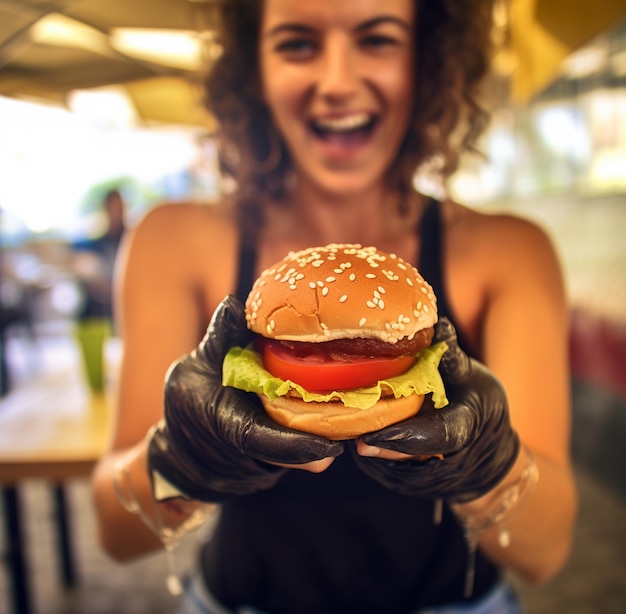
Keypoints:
pixel 543 33
pixel 49 48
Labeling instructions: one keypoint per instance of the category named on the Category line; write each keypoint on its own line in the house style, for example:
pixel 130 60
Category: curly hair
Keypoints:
pixel 452 54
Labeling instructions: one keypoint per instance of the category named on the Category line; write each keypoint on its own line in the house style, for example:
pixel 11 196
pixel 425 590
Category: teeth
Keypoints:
pixel 343 124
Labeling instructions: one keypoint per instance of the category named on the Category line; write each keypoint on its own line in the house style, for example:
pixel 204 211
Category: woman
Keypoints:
pixel 327 109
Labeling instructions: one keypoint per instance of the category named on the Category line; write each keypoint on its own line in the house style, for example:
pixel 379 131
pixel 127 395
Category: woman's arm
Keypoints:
pixel 211 443
pixel 161 317
pixel 525 340
pixel 506 291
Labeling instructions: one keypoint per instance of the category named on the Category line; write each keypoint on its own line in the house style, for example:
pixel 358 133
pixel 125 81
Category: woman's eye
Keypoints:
pixel 379 41
pixel 296 47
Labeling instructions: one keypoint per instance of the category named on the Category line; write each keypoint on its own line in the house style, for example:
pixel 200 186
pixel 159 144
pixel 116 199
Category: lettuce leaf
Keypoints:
pixel 243 369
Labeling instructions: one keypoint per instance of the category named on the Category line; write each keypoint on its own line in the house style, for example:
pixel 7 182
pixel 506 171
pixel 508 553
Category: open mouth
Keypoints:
pixel 344 129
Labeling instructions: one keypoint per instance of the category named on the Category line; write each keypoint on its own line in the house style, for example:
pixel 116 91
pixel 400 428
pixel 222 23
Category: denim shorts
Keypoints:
pixel 196 599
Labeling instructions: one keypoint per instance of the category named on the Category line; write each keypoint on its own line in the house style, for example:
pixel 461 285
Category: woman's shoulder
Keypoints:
pixel 185 225
pixel 187 217
pixel 502 253
pixel 183 236
pixel 182 246
pixel 500 263
pixel 492 232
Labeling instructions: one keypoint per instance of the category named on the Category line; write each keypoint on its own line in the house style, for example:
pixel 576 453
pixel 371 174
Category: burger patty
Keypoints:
pixel 342 349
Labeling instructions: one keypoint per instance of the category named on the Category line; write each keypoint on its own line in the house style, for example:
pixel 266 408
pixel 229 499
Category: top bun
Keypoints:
pixel 340 291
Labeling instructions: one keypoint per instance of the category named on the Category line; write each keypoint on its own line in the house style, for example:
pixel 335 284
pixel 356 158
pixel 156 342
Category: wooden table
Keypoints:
pixel 51 428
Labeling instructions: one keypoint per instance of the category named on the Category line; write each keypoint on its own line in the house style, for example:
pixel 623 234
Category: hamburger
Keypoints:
pixel 343 341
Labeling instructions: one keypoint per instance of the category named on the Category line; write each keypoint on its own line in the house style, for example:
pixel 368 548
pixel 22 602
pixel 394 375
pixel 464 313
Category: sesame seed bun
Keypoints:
pixel 340 291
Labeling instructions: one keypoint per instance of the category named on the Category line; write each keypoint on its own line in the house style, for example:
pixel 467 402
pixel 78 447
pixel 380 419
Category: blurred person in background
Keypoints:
pixel 327 109
pixel 95 258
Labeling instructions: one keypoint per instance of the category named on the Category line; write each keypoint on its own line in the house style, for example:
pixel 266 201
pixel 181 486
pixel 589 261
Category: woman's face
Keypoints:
pixel 337 76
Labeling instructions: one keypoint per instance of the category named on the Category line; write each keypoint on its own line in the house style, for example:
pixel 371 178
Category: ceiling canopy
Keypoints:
pixel 48 48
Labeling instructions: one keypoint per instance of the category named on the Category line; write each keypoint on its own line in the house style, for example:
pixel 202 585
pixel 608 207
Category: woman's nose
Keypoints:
pixel 339 73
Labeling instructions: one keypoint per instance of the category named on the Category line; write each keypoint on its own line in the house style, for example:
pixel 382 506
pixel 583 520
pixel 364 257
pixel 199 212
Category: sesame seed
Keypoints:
pixel 408 281
pixel 371 304
pixel 352 277
pixel 331 279
pixel 382 290
pixel 312 285
pixel 288 275
pixel 362 321
pixel 343 298
pixel 381 303
pixel 324 291
pixel 370 276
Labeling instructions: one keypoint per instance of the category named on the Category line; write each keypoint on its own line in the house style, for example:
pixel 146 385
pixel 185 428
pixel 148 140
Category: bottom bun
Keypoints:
pixel 336 421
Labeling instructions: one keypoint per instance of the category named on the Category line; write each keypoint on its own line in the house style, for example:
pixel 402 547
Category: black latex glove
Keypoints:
pixel 473 432
pixel 217 441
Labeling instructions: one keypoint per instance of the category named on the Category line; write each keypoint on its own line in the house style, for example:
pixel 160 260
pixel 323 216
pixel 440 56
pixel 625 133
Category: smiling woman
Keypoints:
pixel 325 112
pixel 294 45
pixel 346 134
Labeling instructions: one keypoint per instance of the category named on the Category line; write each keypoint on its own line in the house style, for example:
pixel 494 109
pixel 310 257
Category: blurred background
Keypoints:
pixel 102 97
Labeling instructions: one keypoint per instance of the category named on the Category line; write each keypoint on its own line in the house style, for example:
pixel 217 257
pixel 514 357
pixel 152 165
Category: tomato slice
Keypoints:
pixel 320 373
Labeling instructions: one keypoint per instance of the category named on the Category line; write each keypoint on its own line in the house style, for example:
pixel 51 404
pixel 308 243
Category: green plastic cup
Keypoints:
pixel 91 335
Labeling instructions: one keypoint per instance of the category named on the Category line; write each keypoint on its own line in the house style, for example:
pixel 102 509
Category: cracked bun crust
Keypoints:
pixel 340 291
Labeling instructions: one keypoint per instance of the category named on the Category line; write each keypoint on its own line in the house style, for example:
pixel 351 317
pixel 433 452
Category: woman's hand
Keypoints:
pixel 216 441
pixel 473 433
